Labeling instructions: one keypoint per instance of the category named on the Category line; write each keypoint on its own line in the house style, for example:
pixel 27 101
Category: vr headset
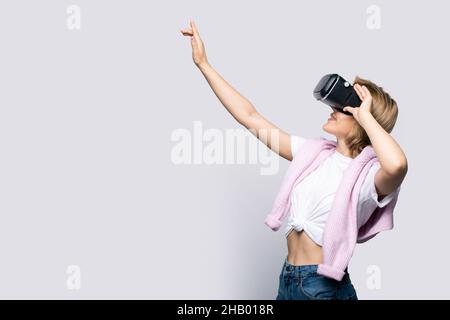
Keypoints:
pixel 336 92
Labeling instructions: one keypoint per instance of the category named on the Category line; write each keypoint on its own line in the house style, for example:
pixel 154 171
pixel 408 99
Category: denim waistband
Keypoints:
pixel 301 270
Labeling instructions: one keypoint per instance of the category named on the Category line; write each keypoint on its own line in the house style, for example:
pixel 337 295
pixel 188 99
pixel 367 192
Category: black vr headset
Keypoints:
pixel 336 92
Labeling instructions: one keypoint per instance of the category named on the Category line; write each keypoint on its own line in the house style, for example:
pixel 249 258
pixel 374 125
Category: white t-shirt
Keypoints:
pixel 313 196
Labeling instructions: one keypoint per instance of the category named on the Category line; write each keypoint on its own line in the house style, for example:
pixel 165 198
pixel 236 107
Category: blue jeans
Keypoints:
pixel 304 283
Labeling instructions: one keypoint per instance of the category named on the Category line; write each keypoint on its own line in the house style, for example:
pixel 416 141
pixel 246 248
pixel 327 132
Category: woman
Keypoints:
pixel 368 125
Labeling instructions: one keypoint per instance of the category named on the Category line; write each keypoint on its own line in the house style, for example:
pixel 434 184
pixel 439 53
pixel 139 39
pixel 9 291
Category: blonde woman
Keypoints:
pixel 315 267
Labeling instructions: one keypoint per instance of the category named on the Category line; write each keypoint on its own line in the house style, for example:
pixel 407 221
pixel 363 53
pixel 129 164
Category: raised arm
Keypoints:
pixel 237 105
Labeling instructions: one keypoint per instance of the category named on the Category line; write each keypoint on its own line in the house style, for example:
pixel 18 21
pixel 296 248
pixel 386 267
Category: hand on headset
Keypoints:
pixel 364 110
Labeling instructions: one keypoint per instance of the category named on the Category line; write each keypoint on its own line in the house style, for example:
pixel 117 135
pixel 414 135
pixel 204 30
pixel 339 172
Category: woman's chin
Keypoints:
pixel 326 128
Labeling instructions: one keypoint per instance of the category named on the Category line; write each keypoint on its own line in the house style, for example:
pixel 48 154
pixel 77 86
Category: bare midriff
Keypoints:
pixel 302 250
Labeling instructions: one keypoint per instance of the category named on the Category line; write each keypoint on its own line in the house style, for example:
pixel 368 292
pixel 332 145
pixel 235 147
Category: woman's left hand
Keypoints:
pixel 363 111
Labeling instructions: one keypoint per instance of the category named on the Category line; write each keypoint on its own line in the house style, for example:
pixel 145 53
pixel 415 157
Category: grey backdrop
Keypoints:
pixel 86 118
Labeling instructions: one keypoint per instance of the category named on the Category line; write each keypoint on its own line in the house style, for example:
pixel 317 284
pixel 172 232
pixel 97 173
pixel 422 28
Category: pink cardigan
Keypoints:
pixel 341 230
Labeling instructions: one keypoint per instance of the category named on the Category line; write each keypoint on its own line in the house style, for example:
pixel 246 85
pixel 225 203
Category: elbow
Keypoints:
pixel 401 168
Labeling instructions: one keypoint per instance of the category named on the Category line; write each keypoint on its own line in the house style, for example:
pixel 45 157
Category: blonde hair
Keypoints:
pixel 384 110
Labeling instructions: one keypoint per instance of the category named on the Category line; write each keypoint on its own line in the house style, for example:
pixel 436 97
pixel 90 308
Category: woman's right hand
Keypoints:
pixel 198 48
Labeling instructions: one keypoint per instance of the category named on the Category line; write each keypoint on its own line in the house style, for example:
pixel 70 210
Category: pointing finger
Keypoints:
pixel 195 31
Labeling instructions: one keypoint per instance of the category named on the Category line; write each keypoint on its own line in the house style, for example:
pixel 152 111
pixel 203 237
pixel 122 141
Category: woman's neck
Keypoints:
pixel 342 148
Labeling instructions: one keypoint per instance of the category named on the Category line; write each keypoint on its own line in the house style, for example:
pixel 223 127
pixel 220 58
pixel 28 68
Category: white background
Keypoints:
pixel 86 117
